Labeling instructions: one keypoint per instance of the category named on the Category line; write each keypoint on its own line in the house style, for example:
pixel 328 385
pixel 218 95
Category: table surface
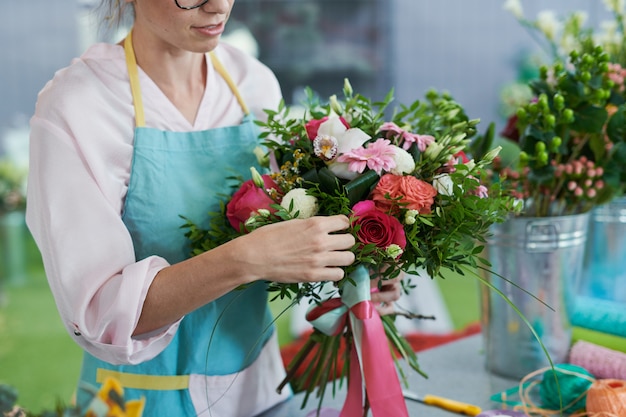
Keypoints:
pixel 455 370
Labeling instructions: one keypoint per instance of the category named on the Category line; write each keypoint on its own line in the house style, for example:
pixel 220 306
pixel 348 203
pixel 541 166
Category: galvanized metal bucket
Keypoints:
pixel 543 256
pixel 604 273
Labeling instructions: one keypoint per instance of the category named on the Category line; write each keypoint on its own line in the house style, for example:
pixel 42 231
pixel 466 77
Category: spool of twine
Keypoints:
pixel 602 362
pixel 573 382
pixel 563 389
pixel 607 398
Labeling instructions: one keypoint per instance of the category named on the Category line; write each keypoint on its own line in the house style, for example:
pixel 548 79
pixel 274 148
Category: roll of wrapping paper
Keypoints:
pixel 601 362
pixel 600 315
pixel 599 338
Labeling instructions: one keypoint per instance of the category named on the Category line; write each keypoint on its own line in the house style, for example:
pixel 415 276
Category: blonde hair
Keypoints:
pixel 115 12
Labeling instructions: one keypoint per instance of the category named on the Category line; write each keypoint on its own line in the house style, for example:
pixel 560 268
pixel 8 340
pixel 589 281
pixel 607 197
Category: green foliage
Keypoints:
pixel 571 138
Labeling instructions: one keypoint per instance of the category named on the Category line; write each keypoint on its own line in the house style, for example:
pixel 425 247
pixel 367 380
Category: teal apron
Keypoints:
pixel 183 173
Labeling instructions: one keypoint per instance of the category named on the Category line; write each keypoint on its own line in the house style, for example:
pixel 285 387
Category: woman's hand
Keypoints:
pixel 299 250
pixel 385 297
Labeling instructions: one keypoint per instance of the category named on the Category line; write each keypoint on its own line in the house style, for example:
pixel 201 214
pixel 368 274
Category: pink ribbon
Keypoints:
pixel 379 377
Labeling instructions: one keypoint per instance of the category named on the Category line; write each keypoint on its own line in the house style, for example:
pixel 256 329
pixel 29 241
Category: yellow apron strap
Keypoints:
pixel 144 381
pixel 135 88
pixel 222 71
pixel 133 73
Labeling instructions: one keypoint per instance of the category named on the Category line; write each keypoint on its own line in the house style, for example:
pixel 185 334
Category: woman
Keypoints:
pixel 124 141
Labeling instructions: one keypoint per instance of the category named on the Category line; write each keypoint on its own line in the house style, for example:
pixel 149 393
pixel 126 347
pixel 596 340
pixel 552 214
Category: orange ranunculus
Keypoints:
pixel 406 190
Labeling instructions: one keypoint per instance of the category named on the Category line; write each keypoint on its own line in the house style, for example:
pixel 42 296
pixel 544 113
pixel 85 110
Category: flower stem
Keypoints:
pixel 296 362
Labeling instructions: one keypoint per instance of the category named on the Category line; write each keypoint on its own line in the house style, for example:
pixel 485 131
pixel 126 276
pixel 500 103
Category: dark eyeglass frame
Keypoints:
pixel 202 3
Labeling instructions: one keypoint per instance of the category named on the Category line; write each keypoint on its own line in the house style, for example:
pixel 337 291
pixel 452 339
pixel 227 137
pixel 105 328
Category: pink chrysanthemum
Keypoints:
pixel 408 138
pixel 377 156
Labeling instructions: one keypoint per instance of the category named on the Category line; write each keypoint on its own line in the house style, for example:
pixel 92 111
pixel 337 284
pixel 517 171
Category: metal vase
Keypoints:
pixel 543 256
pixel 604 274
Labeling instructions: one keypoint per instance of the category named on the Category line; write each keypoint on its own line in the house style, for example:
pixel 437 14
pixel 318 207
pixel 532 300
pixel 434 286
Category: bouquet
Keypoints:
pixel 571 132
pixel 108 401
pixel 414 197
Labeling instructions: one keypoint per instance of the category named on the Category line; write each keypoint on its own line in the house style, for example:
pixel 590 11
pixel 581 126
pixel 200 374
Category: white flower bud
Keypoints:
pixel 433 150
pixel 393 251
pixel 490 156
pixel 257 178
pixel 409 217
pixel 335 105
pixel 263 212
pixel 515 8
pixel 347 88
pixel 262 156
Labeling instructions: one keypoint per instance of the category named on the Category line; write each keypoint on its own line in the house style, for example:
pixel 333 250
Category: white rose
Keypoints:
pixel 404 162
pixel 305 205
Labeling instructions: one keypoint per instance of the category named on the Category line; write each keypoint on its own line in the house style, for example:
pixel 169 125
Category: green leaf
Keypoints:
pixel 616 127
pixel 360 187
pixel 590 119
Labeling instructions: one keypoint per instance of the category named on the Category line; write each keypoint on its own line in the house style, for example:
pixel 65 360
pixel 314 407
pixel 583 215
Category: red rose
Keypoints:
pixel 312 126
pixel 462 156
pixel 511 131
pixel 405 190
pixel 247 200
pixel 377 227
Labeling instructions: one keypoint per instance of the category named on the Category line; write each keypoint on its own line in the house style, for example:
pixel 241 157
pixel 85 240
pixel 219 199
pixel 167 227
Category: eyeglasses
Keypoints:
pixel 190 4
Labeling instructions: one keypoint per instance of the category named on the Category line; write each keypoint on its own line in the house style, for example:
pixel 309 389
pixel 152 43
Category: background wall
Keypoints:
pixel 470 48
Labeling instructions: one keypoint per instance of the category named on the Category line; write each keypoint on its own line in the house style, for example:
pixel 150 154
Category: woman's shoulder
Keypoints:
pixel 97 75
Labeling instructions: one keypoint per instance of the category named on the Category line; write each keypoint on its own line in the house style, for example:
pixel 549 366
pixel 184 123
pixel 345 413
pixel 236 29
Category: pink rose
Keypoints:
pixel 312 126
pixel 405 190
pixel 377 227
pixel 247 200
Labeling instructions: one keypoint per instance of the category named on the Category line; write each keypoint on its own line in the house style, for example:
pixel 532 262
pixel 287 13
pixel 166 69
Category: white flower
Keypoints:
pixel 305 205
pixel 548 23
pixel 515 8
pixel 347 139
pixel 443 184
pixel 404 162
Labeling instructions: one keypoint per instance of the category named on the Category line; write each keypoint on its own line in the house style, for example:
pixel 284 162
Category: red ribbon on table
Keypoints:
pixel 374 368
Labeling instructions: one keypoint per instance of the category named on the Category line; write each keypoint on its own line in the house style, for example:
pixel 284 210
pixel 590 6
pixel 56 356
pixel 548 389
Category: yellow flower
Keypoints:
pixel 109 402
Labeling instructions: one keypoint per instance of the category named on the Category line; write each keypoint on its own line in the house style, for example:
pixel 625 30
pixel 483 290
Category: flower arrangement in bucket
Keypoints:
pixel 570 137
pixel 12 187
pixel 414 198
pixel 571 133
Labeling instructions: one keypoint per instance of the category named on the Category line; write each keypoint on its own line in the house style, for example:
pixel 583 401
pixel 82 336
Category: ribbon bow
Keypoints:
pixel 371 363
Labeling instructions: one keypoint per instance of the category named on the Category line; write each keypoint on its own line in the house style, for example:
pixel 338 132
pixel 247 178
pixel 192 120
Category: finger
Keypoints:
pixel 385 309
pixel 387 294
pixel 335 223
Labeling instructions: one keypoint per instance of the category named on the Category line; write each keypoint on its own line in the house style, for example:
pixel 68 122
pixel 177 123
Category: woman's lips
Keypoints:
pixel 210 30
